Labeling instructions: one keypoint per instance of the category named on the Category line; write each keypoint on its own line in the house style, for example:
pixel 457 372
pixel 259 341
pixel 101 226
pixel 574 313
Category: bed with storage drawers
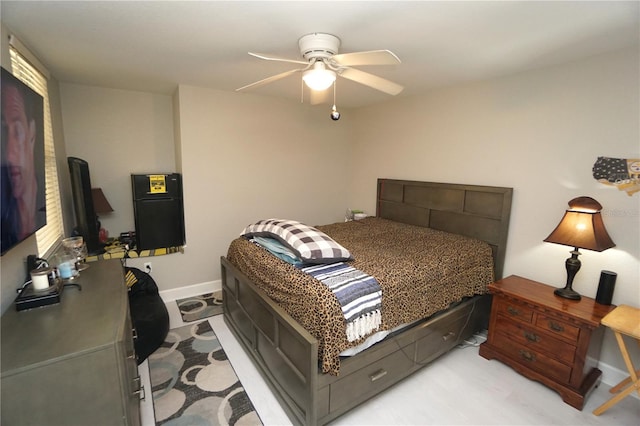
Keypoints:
pixel 433 248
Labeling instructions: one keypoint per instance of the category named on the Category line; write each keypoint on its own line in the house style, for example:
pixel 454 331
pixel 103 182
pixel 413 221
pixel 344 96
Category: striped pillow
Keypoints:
pixel 308 243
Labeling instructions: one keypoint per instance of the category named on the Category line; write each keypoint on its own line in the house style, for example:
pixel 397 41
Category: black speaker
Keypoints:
pixel 158 211
pixel 605 287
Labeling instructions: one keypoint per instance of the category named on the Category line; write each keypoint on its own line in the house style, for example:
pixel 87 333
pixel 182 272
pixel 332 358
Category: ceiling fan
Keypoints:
pixel 322 64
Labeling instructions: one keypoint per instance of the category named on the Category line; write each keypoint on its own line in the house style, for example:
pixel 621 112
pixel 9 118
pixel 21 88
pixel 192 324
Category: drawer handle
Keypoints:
pixel 140 391
pixel 378 375
pixel 134 333
pixel 448 336
pixel 513 311
pixel 527 355
pixel 555 326
pixel 532 337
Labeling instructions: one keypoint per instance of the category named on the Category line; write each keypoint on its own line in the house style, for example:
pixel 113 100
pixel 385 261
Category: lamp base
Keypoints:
pixel 567 293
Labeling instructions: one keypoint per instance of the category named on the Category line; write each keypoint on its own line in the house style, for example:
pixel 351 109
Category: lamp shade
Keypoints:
pixel 582 226
pixel 100 203
pixel 319 78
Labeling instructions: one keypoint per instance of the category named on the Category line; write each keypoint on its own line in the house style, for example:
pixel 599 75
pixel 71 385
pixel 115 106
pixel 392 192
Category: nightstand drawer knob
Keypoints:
pixel 513 311
pixel 527 355
pixel 532 337
pixel 555 326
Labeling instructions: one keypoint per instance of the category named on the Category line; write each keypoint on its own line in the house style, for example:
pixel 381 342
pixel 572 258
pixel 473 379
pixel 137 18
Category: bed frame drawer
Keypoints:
pixel 440 337
pixel 372 379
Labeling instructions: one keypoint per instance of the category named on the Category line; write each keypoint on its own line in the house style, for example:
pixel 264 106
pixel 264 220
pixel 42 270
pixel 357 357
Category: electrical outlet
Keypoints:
pixel 147 267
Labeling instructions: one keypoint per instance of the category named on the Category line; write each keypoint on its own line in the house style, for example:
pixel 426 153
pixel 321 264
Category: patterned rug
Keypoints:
pixel 193 382
pixel 198 307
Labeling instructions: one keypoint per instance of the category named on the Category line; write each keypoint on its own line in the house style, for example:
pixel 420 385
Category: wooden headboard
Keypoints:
pixel 480 212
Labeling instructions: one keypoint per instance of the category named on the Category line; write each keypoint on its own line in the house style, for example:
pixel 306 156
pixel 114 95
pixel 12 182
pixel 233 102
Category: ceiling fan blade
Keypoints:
pixel 373 57
pixel 371 80
pixel 277 58
pixel 317 97
pixel 267 80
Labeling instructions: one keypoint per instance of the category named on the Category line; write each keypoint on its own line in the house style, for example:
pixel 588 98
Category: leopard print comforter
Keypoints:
pixel 421 271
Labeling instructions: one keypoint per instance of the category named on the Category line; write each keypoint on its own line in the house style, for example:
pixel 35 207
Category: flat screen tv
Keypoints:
pixel 86 219
pixel 22 170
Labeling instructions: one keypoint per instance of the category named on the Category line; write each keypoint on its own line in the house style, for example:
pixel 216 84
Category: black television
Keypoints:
pixel 22 169
pixel 86 219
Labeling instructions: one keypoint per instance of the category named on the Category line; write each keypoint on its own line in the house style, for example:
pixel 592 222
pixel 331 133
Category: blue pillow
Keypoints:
pixel 278 249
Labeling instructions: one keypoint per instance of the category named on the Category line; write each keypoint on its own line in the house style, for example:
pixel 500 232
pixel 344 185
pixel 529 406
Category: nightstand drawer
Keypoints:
pixel 534 339
pixel 533 359
pixel 511 309
pixel 559 327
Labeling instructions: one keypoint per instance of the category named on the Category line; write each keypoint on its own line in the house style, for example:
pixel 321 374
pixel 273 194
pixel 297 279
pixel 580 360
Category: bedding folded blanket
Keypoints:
pixel 359 295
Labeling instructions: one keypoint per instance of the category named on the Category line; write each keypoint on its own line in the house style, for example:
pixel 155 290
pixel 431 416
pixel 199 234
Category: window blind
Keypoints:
pixel 53 231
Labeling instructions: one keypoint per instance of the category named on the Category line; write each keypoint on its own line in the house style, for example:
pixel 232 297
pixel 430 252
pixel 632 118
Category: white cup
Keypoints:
pixel 41 278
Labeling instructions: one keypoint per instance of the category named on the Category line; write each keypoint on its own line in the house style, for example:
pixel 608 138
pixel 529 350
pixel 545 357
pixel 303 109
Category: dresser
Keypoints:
pixel 73 363
pixel 550 339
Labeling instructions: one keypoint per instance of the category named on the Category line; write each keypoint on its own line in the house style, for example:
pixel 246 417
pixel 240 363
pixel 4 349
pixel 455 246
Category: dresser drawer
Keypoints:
pixel 532 359
pixel 511 309
pixel 534 339
pixel 559 327
pixel 370 380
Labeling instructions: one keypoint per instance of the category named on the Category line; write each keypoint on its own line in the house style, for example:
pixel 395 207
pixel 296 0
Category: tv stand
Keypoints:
pixel 73 362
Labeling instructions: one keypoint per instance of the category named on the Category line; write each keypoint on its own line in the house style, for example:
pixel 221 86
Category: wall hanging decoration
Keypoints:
pixel 622 173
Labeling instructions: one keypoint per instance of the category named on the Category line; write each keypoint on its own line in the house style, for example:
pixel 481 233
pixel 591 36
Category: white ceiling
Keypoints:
pixel 155 45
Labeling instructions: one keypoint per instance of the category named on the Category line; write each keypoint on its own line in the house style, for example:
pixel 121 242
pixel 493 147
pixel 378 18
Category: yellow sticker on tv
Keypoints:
pixel 157 184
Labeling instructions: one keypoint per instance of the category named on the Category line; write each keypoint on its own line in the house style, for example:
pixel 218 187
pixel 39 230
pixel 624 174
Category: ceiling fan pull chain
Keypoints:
pixel 335 115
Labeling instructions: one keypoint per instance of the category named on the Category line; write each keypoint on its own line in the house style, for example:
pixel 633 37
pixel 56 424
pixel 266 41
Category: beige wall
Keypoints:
pixel 538 132
pixel 118 132
pixel 243 158
pixel 247 157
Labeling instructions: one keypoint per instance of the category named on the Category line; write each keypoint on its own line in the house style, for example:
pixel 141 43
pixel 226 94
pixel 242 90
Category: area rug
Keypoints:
pixel 198 307
pixel 193 382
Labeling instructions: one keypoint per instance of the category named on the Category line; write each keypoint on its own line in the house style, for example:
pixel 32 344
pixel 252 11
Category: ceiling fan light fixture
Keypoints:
pixel 319 78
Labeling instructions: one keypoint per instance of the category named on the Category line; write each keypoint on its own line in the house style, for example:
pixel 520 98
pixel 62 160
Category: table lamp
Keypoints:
pixel 581 227
pixel 100 205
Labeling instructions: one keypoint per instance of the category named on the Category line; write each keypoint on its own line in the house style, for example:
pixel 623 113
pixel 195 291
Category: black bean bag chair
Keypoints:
pixel 148 313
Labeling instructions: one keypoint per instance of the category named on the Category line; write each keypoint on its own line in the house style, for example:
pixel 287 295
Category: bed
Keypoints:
pixel 303 364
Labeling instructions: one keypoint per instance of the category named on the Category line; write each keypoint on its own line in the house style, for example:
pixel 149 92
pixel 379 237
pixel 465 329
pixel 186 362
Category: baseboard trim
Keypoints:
pixel 611 376
pixel 190 290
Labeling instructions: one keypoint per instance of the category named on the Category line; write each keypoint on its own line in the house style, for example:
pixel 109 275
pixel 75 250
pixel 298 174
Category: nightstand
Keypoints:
pixel 546 338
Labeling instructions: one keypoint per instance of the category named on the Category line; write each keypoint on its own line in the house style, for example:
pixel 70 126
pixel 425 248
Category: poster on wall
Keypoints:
pixel 622 173
pixel 22 170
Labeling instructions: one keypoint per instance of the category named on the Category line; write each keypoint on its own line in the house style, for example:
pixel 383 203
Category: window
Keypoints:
pixel 36 78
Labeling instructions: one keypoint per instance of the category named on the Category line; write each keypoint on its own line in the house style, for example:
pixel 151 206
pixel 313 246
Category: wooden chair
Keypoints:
pixel 623 320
